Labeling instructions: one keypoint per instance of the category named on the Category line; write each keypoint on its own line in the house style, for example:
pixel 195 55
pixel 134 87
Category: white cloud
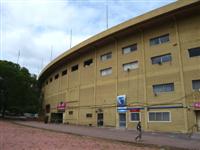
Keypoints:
pixel 34 26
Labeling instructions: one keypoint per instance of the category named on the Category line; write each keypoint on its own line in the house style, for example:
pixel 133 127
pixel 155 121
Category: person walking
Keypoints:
pixel 139 130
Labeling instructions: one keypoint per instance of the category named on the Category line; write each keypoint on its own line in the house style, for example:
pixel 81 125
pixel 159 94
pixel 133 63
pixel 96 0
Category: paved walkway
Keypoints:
pixel 160 139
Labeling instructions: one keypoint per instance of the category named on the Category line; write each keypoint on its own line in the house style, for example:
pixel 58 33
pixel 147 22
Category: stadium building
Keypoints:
pixel 147 69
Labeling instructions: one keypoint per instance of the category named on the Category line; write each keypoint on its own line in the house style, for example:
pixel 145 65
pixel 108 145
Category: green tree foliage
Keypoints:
pixel 19 89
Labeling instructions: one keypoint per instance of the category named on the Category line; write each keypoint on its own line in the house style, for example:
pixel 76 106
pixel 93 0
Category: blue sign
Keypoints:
pixel 121 109
pixel 121 100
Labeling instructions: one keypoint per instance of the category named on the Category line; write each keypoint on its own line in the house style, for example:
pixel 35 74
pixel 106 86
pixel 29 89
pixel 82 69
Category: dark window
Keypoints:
pixel 88 115
pixel 51 79
pixel 130 66
pixel 135 116
pixel 161 59
pixel 159 116
pixel 48 108
pixel 163 87
pixel 105 72
pixel 159 40
pixel 88 62
pixel 129 49
pixel 70 112
pixel 74 68
pixel 107 56
pixel 194 52
pixel 56 76
pixel 196 84
pixel 64 72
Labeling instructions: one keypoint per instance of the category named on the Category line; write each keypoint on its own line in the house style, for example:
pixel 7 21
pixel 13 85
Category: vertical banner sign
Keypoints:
pixel 121 100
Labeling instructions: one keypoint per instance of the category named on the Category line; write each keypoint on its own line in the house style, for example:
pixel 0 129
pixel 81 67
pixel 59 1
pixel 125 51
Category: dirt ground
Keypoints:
pixel 16 137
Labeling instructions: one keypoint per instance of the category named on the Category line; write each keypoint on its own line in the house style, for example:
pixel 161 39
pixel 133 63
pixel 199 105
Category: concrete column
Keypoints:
pixel 183 95
pixel 144 81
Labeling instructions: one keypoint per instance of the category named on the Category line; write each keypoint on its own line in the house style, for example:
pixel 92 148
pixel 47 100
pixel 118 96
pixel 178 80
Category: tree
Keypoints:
pixel 19 89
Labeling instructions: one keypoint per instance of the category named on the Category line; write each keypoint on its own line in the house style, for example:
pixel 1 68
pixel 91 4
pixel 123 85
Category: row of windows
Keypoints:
pixel 107 56
pixel 193 52
pixel 133 65
pixel 152 116
pixel 103 72
pixel 135 116
pixel 169 87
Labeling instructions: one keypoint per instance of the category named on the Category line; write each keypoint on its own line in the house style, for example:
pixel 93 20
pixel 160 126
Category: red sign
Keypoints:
pixel 196 104
pixel 61 106
pixel 134 110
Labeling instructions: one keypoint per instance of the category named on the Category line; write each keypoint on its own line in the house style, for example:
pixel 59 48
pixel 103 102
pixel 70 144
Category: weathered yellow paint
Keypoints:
pixel 86 91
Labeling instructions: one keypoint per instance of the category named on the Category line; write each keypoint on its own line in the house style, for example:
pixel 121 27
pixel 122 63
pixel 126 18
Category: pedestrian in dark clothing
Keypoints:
pixel 139 130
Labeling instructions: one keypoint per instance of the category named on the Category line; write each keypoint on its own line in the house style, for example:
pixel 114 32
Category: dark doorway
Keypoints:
pixel 100 119
pixel 57 117
pixel 122 120
pixel 198 120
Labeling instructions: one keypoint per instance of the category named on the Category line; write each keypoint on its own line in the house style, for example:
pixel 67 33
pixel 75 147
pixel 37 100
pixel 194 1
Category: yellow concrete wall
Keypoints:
pixel 85 90
pixel 176 124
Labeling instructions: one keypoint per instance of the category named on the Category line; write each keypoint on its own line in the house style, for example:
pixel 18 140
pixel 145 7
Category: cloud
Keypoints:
pixel 35 27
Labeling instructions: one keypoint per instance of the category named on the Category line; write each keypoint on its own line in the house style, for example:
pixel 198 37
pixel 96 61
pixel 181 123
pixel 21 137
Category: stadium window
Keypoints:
pixel 88 115
pixel 159 116
pixel 74 68
pixel 135 116
pixel 159 40
pixel 56 76
pixel 169 87
pixel 70 112
pixel 64 72
pixel 130 66
pixel 51 80
pixel 196 85
pixel 106 56
pixel 161 59
pixel 193 52
pixel 129 49
pixel 88 62
pixel 105 72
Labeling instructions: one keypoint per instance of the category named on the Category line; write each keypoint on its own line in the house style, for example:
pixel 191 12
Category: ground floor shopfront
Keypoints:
pixel 165 118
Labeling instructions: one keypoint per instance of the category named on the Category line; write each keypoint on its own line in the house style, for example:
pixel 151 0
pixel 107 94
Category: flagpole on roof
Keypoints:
pixel 70 40
pixel 106 14
pixel 51 53
pixel 18 55
pixel 42 63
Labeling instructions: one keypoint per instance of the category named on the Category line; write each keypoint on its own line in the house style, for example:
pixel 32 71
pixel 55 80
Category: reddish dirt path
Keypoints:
pixel 15 137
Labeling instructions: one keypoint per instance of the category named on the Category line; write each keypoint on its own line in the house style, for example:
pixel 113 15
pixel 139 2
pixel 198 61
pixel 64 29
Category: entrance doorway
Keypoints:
pixel 122 120
pixel 198 120
pixel 57 117
pixel 100 119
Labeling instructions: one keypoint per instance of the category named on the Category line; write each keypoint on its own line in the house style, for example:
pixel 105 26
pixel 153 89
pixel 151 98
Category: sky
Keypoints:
pixel 34 32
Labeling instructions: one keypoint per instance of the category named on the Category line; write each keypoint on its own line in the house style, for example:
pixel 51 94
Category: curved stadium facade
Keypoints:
pixel 147 69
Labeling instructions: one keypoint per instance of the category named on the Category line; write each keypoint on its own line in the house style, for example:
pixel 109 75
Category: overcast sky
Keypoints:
pixel 31 28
